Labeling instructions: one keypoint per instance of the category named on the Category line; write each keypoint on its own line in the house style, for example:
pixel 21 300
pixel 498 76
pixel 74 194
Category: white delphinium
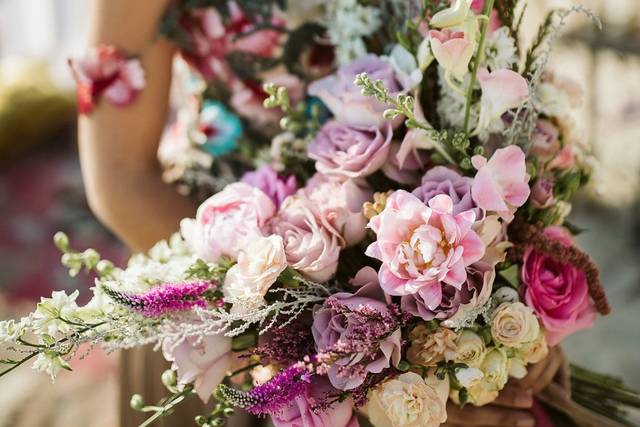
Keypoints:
pixel 52 314
pixel 500 51
pixel 10 330
pixel 347 23
pixel 51 363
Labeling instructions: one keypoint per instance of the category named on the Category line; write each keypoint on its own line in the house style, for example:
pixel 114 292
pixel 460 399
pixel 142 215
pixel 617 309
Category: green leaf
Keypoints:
pixel 512 275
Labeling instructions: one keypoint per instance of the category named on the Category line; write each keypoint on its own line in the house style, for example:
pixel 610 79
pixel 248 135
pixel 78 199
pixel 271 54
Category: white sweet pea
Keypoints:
pixel 452 16
pixel 405 66
pixel 502 90
pixel 49 311
pixel 247 282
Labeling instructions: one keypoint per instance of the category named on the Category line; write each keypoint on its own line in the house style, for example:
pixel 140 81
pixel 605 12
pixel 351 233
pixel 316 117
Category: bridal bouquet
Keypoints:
pixel 401 244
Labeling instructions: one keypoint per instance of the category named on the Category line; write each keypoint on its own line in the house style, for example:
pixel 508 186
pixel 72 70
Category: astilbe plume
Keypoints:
pixel 295 338
pixel 163 299
pixel 274 395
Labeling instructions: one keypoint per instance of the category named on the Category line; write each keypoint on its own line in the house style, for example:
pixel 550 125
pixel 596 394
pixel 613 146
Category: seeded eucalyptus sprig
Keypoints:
pixel 296 119
pixel 76 261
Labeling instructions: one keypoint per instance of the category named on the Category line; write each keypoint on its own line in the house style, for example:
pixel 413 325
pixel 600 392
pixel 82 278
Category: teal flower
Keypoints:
pixel 218 128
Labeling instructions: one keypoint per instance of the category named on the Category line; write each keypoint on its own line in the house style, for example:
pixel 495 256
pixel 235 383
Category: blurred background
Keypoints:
pixel 41 191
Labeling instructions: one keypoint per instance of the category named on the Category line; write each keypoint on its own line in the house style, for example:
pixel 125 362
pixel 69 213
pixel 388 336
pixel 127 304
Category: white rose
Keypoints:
pixel 479 394
pixel 409 401
pixel 495 368
pixel 514 324
pixel 535 351
pixel 470 349
pixel 469 377
pixel 258 267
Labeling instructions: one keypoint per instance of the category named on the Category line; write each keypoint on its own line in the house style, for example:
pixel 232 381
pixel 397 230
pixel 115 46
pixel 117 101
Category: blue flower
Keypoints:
pixel 220 129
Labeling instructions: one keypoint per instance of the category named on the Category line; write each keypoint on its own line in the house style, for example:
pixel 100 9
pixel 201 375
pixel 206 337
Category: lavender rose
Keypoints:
pixel 273 185
pixel 350 152
pixel 343 97
pixel 344 328
pixel 442 180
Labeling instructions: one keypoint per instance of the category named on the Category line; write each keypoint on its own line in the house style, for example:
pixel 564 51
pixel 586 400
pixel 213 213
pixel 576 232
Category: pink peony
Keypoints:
pixel 345 100
pixel 500 184
pixel 201 362
pixel 105 72
pixel 228 221
pixel 301 412
pixel 350 152
pixel 275 186
pixel 423 248
pixel 340 204
pixel 557 292
pixel 311 244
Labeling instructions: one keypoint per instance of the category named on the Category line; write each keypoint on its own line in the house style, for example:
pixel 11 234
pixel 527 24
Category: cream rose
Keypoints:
pixel 535 351
pixel 470 349
pixel 409 401
pixel 495 368
pixel 517 368
pixel 514 324
pixel 429 347
pixel 479 394
pixel 258 267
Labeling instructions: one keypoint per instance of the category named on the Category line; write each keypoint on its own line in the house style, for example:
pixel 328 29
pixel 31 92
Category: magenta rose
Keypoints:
pixel 340 94
pixel 350 152
pixel 557 292
pixel 332 329
pixel 310 243
pixel 273 185
pixel 228 221
pixel 442 180
pixel 301 412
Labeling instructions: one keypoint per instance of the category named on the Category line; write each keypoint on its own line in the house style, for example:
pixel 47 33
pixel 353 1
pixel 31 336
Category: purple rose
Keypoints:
pixel 273 185
pixel 341 327
pixel 340 94
pixel 542 192
pixel 350 152
pixel 442 180
pixel 471 294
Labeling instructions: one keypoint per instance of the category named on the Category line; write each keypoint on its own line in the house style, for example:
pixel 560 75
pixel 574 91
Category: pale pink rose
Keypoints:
pixel 301 412
pixel 557 292
pixel 340 204
pixel 542 192
pixel 545 141
pixel 311 244
pixel 350 152
pixel 502 90
pixel 500 185
pixel 566 159
pixel 105 72
pixel 201 362
pixel 423 248
pixel 228 221
pixel 452 51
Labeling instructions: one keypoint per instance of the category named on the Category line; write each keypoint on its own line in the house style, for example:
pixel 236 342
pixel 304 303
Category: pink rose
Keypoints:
pixel 423 248
pixel 340 204
pixel 228 221
pixel 105 72
pixel 350 152
pixel 310 243
pixel 203 363
pixel 544 141
pixel 345 100
pixel 557 292
pixel 565 159
pixel 501 183
pixel 301 412
pixel 542 193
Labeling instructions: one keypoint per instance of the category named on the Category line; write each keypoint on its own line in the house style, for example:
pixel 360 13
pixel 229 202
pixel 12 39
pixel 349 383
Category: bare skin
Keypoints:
pixel 118 149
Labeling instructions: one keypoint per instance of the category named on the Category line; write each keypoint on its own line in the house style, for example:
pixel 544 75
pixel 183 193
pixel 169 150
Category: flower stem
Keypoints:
pixel 476 63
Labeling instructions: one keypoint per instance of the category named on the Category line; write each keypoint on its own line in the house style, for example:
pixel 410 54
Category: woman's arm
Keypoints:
pixel 118 145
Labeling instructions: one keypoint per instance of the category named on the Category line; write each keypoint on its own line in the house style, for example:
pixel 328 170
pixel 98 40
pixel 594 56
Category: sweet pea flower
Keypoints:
pixel 452 16
pixel 228 221
pixel 423 248
pixel 275 186
pixel 502 90
pixel 301 412
pixel 350 151
pixel 203 362
pixel 500 185
pixel 558 293
pixel 105 72
pixel 345 100
pixel 452 50
pixel 340 204
pixel 311 244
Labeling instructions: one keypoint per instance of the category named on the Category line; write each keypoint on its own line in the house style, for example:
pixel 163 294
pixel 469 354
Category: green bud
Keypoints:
pixel 61 241
pixel 404 366
pixel 228 412
pixel 479 150
pixel 218 422
pixel 285 122
pixel 390 114
pixel 91 257
pixel 136 402
pixel 104 267
pixel 269 88
pixel 465 163
pixel 200 420
pixel 169 378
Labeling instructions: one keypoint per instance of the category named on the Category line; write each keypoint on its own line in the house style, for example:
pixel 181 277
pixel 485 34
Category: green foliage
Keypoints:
pixel 298 41
pixel 543 33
